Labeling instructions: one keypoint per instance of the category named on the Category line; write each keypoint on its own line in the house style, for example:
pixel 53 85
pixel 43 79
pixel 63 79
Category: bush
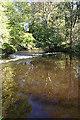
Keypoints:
pixel 7 49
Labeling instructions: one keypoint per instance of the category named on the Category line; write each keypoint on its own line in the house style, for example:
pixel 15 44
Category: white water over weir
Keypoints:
pixel 21 55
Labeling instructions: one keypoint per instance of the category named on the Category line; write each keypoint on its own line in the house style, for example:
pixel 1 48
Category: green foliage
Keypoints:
pixel 46 33
pixel 54 24
pixel 8 49
pixel 18 48
pixel 4 32
pixel 17 14
pixel 50 25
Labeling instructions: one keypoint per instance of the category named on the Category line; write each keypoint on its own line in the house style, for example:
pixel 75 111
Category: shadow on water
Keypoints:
pixel 42 87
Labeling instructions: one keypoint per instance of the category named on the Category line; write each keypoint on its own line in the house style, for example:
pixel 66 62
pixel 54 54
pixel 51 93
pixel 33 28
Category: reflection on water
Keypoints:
pixel 43 87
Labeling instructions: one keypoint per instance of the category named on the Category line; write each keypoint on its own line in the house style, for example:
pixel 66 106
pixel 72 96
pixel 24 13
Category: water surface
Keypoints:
pixel 42 87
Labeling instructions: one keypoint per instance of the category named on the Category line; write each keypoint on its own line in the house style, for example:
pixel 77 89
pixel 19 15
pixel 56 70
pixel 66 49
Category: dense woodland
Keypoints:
pixel 51 26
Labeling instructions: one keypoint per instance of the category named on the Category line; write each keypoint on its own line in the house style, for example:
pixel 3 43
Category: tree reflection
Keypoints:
pixel 79 87
pixel 14 103
pixel 45 78
pixel 19 109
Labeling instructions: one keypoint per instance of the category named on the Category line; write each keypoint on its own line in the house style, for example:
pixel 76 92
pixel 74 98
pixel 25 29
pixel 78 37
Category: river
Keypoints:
pixel 41 87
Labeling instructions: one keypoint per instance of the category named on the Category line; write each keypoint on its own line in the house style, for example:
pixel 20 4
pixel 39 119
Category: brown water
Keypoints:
pixel 42 87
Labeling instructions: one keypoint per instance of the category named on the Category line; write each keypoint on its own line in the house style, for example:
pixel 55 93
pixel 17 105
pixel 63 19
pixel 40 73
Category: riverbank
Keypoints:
pixel 24 55
pixel 28 54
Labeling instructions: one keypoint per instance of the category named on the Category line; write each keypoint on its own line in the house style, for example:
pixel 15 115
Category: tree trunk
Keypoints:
pixel 66 29
pixel 71 34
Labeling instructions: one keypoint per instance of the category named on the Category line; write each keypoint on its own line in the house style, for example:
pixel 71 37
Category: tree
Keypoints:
pixel 72 8
pixel 4 32
pixel 46 26
pixel 18 14
pixel 52 25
